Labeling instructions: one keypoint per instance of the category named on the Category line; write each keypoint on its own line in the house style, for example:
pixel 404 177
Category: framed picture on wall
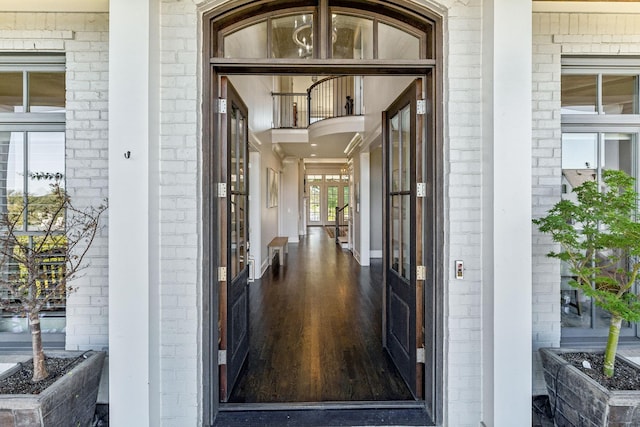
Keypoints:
pixel 272 188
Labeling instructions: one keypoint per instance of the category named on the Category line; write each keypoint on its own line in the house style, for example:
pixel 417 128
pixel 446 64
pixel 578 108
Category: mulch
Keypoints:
pixel 20 382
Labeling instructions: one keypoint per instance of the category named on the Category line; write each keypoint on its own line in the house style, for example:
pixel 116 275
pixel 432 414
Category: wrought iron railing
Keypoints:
pixel 339 223
pixel 331 97
pixel 290 110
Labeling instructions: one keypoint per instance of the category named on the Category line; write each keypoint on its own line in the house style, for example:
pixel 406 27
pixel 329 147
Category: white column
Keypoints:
pixel 507 320
pixel 133 138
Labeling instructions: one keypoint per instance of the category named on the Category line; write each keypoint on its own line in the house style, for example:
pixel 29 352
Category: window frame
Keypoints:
pixel 322 31
pixel 600 124
pixel 27 122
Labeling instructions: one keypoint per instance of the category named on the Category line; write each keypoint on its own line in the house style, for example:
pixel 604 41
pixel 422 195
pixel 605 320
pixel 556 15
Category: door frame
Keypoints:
pixel 430 70
pixel 434 219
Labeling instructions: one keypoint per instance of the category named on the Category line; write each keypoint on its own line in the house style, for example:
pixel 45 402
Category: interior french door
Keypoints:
pixel 403 244
pixel 234 220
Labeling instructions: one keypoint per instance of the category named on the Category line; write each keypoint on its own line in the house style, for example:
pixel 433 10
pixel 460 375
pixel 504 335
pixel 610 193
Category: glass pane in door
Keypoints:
pixel 345 201
pixel 314 203
pixel 332 202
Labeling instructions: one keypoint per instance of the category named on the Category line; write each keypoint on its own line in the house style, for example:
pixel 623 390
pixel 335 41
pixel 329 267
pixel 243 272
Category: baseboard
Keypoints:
pixel 375 254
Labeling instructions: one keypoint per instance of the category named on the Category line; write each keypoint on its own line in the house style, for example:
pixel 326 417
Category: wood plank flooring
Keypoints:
pixel 315 331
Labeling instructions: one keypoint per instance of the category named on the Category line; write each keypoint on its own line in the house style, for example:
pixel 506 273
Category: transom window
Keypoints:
pixel 600 130
pixel 349 35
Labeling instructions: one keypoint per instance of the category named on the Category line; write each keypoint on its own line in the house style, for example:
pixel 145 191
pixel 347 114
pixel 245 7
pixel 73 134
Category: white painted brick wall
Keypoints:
pixel 462 186
pixel 84 39
pixel 180 190
pixel 554 35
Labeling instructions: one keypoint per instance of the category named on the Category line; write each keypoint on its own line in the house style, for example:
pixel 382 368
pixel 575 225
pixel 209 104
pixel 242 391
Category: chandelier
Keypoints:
pixel 303 36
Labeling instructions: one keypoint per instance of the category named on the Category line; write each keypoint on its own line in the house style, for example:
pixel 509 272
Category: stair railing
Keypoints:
pixel 339 210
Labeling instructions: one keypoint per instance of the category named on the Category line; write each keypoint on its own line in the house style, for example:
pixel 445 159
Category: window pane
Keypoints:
pixel 397 44
pixel 394 152
pixel 46 168
pixel 396 256
pixel 314 178
pixel 248 42
pixel 12 174
pixel 332 203
pixel 352 37
pixel 46 92
pixel 345 201
pixel 618 152
pixel 332 178
pixel 406 149
pixel 619 94
pixel 580 163
pixel 314 203
pixel 579 94
pixel 233 148
pixel 406 233
pixel 292 37
pixel 11 94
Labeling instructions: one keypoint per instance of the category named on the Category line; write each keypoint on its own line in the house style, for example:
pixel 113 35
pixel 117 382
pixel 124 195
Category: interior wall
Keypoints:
pixel 375 197
pixel 385 89
pixel 290 200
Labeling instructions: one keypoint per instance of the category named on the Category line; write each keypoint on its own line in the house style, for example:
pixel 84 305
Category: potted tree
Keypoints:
pixel 599 239
pixel 36 272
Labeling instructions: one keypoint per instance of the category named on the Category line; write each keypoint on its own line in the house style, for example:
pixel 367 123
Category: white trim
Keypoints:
pixel 54 6
pixel 585 7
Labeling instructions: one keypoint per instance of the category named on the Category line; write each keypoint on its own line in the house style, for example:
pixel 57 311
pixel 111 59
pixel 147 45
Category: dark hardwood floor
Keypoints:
pixel 316 331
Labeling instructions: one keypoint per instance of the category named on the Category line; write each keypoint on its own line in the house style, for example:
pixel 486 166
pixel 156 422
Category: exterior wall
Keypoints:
pixel 554 35
pixel 84 38
pixel 462 183
pixel 180 215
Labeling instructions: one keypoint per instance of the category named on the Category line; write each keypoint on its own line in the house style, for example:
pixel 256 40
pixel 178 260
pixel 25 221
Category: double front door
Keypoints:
pixel 407 242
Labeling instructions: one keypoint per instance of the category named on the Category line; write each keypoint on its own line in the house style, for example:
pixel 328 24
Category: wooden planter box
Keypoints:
pixel 70 401
pixel 578 400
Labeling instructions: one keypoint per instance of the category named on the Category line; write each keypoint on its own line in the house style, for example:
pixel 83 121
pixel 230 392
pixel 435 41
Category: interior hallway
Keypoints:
pixel 315 330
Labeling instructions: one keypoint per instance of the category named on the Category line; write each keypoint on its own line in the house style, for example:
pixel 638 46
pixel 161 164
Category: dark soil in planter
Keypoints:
pixel 20 382
pixel 625 376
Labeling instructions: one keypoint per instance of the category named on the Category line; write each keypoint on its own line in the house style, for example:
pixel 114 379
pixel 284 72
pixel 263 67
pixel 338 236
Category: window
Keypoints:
pixel 350 34
pixel 32 159
pixel 600 130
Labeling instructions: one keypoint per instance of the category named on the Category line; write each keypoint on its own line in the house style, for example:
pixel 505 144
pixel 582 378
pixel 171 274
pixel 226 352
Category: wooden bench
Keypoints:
pixel 279 244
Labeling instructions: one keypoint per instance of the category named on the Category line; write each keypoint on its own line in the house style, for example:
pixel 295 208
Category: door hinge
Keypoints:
pixel 421 107
pixel 222 357
pixel 221 106
pixel 421 189
pixel 222 274
pixel 421 272
pixel 222 189
pixel 420 355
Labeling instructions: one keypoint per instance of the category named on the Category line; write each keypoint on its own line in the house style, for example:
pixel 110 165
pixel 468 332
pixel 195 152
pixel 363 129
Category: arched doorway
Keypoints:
pixel 331 38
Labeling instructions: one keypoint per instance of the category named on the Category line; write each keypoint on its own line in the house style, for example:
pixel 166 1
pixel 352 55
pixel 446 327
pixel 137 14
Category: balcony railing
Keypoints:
pixel 290 110
pixel 328 98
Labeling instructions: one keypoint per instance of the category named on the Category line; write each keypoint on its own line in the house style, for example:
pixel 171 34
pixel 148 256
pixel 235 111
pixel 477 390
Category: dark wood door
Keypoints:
pixel 403 254
pixel 233 194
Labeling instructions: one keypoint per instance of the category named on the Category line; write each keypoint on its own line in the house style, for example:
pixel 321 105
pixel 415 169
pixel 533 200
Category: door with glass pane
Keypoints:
pixel 403 244
pixel 234 220
pixel 584 157
pixel 314 204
